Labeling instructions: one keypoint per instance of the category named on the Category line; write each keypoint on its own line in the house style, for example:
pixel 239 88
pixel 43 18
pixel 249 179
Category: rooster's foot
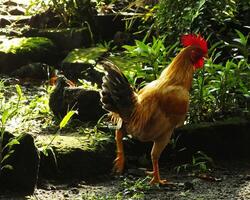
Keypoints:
pixel 155 181
pixel 150 173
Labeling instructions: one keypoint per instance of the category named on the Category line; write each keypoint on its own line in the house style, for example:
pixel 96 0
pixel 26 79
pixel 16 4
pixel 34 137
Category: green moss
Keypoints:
pixel 63 30
pixel 209 125
pixel 129 66
pixel 88 56
pixel 90 141
pixel 26 45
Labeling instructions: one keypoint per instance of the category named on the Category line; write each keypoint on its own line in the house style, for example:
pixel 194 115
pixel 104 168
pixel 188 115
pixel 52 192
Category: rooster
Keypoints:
pixel 156 110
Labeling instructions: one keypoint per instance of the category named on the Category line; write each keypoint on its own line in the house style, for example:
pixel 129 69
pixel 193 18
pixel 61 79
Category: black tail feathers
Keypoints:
pixel 117 95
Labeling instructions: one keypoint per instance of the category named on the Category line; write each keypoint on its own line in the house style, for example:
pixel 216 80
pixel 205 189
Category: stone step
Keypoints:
pixel 9 19
pixel 17 52
pixel 77 158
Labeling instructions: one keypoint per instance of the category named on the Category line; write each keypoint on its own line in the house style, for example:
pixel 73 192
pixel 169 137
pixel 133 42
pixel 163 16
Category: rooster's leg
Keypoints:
pixel 119 161
pixel 157 149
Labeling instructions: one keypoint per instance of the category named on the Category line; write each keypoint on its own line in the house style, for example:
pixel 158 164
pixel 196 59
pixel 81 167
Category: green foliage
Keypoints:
pixel 95 137
pixel 71 12
pixel 8 112
pixel 66 118
pixel 177 16
pixel 240 46
pixel 204 16
pixel 200 162
pixel 151 58
pixel 219 89
pixel 130 189
pixel 134 189
pixel 20 113
pixel 46 149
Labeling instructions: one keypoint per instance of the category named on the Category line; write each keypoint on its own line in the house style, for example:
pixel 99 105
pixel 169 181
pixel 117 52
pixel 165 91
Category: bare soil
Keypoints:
pixel 229 180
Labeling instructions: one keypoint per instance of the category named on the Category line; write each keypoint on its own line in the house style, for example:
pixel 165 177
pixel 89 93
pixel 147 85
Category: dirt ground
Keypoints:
pixel 228 181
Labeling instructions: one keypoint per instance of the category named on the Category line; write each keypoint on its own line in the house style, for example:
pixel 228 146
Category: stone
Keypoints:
pixel 109 24
pixel 17 52
pixel 18 19
pixel 44 20
pixel 9 3
pixel 78 157
pixel 68 39
pixel 122 38
pixel 40 71
pixel 17 11
pixel 222 139
pixel 80 64
pixel 24 161
pixel 4 22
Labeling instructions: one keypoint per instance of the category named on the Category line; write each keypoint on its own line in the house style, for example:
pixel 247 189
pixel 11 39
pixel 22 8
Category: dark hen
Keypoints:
pixel 65 98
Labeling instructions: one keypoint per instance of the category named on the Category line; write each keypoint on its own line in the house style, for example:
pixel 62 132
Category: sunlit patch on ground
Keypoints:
pixel 244 190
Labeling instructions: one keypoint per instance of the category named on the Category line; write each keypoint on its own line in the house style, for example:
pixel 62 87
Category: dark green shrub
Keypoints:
pixel 204 16
pixel 71 12
pixel 222 87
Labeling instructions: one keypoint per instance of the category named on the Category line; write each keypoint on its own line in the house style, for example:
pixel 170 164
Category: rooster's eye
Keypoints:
pixel 196 55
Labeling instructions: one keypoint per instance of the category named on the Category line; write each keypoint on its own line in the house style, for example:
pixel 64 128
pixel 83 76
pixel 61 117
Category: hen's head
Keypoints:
pixel 198 48
pixel 63 82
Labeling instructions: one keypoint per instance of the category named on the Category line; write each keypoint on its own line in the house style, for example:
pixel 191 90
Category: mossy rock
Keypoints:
pixel 69 38
pixel 9 19
pixel 20 169
pixel 80 63
pixel 85 56
pixel 38 71
pixel 222 139
pixel 76 155
pixel 26 45
pixel 17 52
pixel 109 24
pixel 88 155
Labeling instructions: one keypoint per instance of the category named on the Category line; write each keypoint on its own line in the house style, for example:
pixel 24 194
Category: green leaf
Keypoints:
pixel 19 91
pixel 7 167
pixel 12 142
pixel 243 39
pixel 7 156
pixel 203 166
pixel 129 48
pixel 44 150
pixel 66 118
pixel 5 116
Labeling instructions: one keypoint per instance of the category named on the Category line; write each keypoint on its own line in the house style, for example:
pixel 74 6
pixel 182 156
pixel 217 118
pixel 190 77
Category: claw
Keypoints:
pixel 159 181
pixel 156 180
pixel 150 173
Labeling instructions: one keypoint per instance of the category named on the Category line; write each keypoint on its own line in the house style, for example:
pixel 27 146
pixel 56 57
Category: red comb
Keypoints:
pixel 194 40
